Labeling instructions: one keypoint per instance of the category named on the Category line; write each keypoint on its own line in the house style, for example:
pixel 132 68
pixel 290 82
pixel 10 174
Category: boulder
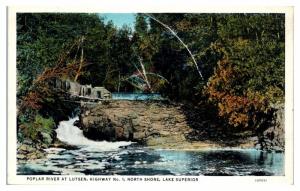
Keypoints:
pixel 165 125
pixel 132 121
pixel 273 138
pixel 46 137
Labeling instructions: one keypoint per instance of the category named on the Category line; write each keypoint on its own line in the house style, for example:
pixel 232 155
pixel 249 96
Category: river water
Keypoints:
pixel 136 96
pixel 127 158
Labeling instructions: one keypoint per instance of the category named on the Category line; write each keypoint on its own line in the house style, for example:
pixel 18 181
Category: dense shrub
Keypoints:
pixel 39 130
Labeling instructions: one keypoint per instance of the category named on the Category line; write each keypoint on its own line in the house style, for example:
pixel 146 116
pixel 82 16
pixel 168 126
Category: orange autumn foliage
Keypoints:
pixel 240 110
pixel 32 100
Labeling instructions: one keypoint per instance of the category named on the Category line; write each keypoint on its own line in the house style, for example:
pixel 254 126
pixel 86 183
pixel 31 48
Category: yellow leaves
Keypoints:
pixel 237 119
pixel 183 25
pixel 221 106
pixel 239 44
pixel 275 95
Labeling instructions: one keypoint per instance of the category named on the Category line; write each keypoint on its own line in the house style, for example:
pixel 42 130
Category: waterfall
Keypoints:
pixel 72 135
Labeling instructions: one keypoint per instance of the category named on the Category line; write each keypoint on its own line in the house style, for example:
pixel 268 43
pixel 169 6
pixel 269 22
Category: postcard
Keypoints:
pixel 151 95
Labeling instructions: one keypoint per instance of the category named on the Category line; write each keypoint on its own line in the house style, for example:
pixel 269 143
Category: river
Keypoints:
pixel 136 96
pixel 127 158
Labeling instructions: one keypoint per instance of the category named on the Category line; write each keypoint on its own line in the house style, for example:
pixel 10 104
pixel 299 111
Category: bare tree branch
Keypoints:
pixel 180 40
pixel 157 75
pixel 78 73
pixel 144 74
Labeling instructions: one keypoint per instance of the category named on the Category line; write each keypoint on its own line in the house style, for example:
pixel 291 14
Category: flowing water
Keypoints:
pixel 136 96
pixel 126 158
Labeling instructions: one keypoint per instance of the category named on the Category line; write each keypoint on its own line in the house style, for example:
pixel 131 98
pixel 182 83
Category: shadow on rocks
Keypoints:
pixel 208 126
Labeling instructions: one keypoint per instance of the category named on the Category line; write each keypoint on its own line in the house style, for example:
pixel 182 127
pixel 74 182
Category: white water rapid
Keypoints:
pixel 72 135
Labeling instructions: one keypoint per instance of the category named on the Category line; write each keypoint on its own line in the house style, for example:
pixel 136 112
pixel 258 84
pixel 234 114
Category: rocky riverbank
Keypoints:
pixel 28 150
pixel 273 138
pixel 162 125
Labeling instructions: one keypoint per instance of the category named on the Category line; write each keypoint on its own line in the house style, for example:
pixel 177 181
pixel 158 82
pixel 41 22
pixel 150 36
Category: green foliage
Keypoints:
pixel 43 41
pixel 141 25
pixel 249 48
pixel 249 80
pixel 36 129
pixel 41 37
pixel 254 43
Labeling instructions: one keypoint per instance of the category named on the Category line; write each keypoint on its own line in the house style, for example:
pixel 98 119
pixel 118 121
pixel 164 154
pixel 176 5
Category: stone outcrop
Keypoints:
pixel 29 150
pixel 156 124
pixel 150 123
pixel 171 126
pixel 273 138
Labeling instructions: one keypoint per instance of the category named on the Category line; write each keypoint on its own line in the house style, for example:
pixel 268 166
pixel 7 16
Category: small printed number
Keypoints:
pixel 260 180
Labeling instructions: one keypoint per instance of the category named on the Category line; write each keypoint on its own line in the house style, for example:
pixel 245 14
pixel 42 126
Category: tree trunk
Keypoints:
pixel 80 66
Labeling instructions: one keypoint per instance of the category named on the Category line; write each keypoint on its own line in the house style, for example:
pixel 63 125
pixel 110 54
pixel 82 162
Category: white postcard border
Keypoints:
pixel 12 178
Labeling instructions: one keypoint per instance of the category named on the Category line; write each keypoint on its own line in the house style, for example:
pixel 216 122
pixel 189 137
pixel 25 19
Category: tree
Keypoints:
pixel 249 79
pixel 41 36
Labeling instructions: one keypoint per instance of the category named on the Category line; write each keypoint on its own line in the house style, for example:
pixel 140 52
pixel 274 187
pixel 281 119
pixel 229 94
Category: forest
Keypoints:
pixel 232 65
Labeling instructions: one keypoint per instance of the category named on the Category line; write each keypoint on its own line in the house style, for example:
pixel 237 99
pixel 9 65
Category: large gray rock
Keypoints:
pixel 274 137
pixel 162 125
pixel 133 121
pixel 46 137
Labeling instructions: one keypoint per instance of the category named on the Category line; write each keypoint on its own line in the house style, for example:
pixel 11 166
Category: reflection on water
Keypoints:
pixel 226 162
pixel 143 161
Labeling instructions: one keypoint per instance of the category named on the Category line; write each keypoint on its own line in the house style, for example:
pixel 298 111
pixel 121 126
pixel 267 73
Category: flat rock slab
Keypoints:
pixel 135 121
pixel 152 123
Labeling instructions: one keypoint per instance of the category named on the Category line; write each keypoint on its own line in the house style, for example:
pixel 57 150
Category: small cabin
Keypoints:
pixel 94 92
pixel 101 92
